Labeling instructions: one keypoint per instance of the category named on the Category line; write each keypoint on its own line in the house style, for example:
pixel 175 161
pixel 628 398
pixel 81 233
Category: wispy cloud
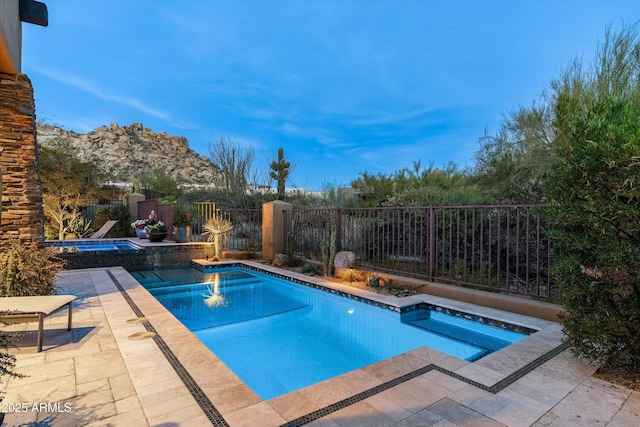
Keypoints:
pixel 397 117
pixel 94 89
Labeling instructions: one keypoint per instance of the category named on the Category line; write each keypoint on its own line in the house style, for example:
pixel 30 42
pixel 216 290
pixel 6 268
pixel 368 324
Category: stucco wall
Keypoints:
pixel 10 37
pixel 22 212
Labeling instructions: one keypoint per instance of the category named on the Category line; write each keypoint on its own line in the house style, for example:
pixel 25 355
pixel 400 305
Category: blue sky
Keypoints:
pixel 343 86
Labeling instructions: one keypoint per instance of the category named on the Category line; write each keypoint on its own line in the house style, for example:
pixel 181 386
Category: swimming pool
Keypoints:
pixel 97 245
pixel 279 336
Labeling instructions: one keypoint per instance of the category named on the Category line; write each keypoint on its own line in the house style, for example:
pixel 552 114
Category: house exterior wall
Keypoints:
pixel 10 37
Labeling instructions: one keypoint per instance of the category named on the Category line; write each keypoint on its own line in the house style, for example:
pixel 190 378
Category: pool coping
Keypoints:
pixel 192 359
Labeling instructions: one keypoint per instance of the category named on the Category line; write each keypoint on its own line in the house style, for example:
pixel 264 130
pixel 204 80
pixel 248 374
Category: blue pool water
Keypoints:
pixel 98 245
pixel 279 336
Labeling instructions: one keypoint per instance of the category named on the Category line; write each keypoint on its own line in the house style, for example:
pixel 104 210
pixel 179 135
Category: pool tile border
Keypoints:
pixel 211 412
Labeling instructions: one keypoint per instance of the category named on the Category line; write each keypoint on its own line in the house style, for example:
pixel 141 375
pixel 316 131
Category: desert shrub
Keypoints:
pixel 432 196
pixel 595 228
pixel 351 275
pixel 28 270
pixel 118 212
pixel 50 232
pixel 7 360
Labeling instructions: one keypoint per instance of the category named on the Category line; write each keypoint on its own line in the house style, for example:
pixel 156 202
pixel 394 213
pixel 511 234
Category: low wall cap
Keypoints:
pixel 277 202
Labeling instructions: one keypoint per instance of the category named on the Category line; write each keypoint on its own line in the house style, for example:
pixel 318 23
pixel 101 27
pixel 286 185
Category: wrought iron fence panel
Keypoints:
pixel 201 212
pixel 312 224
pixel 500 248
pixel 247 229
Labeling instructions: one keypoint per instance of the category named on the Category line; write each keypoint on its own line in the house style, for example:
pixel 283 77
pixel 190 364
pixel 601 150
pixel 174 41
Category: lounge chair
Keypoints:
pixel 103 230
pixel 27 309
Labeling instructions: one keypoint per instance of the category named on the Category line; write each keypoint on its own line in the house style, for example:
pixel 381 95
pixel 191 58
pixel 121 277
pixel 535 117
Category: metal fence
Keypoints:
pixel 89 212
pixel 245 236
pixel 499 248
pixel 247 229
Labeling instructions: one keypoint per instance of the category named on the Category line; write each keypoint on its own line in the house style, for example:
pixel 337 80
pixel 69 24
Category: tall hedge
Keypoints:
pixel 595 225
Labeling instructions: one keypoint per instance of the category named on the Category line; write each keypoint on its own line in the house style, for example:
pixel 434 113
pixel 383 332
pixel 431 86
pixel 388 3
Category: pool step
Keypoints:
pixel 189 277
pixel 272 319
pixel 201 287
pixel 474 338
pixel 149 279
pixel 168 287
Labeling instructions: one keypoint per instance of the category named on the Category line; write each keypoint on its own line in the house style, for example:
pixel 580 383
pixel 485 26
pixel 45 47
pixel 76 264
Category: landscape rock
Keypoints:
pixel 344 259
pixel 308 268
pixel 373 281
pixel 280 260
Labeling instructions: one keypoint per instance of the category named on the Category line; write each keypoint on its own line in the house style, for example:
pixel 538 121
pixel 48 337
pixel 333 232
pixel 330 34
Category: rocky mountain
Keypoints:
pixel 124 151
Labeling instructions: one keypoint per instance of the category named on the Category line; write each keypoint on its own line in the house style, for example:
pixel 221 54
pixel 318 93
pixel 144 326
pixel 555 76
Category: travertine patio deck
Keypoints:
pixel 112 370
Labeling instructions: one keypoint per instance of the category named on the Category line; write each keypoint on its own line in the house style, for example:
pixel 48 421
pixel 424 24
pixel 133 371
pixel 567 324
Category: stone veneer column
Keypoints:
pixel 22 211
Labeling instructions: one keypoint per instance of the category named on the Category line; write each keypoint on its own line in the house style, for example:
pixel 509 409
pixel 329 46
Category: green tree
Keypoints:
pixel 68 185
pixel 8 360
pixel 158 181
pixel 373 190
pixel 332 196
pixel 509 166
pixel 594 189
pixel 416 187
pixel 447 186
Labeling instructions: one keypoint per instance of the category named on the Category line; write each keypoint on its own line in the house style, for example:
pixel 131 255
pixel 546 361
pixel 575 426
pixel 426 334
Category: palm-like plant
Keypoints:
pixel 215 230
pixel 79 226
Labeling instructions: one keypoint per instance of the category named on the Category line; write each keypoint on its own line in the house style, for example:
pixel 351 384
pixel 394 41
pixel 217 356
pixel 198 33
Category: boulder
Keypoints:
pixel 308 268
pixel 344 259
pixel 373 281
pixel 280 260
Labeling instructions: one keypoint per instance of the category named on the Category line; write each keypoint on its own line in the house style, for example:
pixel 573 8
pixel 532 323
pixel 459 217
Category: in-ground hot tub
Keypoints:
pixel 94 245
